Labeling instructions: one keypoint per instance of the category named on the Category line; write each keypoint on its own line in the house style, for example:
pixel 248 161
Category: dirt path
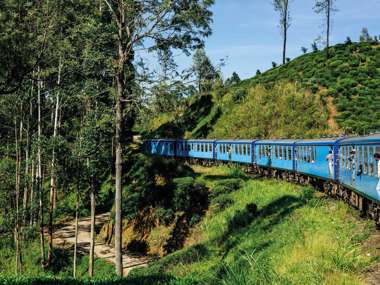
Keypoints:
pixel 66 235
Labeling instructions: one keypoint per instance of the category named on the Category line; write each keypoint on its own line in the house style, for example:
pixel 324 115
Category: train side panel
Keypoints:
pixel 274 154
pixel 234 151
pixel 358 169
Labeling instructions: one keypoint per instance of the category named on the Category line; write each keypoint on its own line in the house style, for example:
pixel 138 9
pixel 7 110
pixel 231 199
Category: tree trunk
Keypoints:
pixel 27 185
pixel 76 235
pixel 328 28
pixel 285 30
pixel 39 173
pixel 118 140
pixel 31 211
pixel 92 241
pixel 17 198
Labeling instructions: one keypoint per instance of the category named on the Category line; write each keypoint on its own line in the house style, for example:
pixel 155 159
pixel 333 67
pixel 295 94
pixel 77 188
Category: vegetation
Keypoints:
pixel 349 76
pixel 271 233
pixel 285 111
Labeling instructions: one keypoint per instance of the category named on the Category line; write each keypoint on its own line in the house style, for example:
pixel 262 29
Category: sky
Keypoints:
pixel 246 32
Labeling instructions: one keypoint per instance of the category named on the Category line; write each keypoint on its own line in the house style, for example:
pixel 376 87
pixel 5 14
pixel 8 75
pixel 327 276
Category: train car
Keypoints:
pixel 317 157
pixel 275 154
pixel 164 147
pixel 235 150
pixel 358 168
pixel 195 149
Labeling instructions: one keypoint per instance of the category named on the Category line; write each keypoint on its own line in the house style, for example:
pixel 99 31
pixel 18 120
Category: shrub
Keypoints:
pixel 222 202
pixel 226 186
pixel 189 195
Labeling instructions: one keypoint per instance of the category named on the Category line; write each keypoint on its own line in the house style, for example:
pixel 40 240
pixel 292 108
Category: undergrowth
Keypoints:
pixel 270 232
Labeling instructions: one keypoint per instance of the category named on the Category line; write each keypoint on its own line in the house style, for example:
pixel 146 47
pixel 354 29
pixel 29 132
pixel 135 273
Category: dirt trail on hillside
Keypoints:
pixel 66 235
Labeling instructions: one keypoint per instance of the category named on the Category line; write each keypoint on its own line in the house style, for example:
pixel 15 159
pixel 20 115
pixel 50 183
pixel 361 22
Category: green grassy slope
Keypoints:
pixel 309 96
pixel 295 237
pixel 351 76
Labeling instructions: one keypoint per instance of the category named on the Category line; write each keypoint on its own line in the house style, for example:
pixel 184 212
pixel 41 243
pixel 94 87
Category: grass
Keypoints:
pixel 270 232
pixel 295 237
pixel 61 267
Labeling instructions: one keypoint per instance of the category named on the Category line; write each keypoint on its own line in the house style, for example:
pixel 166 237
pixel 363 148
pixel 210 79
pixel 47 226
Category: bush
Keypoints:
pixel 189 196
pixel 222 202
pixel 226 186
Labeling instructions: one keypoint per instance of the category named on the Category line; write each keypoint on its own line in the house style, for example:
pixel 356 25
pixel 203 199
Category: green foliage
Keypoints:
pixel 351 70
pixel 226 186
pixel 272 233
pixel 282 111
pixel 190 196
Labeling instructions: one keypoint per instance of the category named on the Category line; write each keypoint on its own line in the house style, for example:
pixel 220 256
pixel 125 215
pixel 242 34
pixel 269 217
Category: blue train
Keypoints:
pixel 348 168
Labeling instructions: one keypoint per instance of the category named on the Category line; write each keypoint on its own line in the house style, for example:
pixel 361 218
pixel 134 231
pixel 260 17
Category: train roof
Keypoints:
pixel 370 139
pixel 236 141
pixel 322 141
pixel 280 141
pixel 196 140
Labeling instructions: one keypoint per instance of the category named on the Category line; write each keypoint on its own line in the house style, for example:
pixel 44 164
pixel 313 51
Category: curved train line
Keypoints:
pixel 346 168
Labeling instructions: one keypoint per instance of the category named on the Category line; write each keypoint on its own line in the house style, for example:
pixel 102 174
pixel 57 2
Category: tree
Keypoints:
pixel 282 7
pixel 326 7
pixel 204 70
pixel 235 79
pixel 304 50
pixel 155 25
pixel 364 35
pixel 314 46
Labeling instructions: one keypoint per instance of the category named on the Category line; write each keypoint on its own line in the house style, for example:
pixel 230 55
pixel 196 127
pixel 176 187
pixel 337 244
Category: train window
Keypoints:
pixel 248 150
pixel 366 158
pixel 236 149
pixel 210 146
pixel 240 149
pixel 244 149
pixel 290 153
pixel 275 151
pixel 371 169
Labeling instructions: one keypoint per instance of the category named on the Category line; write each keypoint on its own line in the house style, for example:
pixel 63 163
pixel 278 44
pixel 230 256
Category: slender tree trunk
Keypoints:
pixel 328 28
pixel 285 29
pixel 118 139
pixel 39 173
pixel 76 234
pixel 27 186
pixel 32 207
pixel 92 240
pixel 17 198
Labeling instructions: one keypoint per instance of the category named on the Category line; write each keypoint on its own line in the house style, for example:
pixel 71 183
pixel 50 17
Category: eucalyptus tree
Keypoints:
pixel 152 26
pixel 282 7
pixel 326 7
pixel 204 71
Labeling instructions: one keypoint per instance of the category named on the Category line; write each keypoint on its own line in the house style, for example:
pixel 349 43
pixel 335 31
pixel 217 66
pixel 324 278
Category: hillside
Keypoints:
pixel 269 232
pixel 350 76
pixel 309 96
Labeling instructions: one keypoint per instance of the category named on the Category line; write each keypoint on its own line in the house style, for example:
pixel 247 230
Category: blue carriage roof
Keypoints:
pixel 245 141
pixel 197 141
pixel 371 139
pixel 279 141
pixel 323 141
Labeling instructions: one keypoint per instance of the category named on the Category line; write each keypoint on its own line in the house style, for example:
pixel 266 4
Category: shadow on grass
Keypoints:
pixel 263 220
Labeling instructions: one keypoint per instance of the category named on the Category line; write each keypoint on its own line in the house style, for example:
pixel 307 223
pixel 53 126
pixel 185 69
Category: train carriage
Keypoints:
pixel 316 157
pixel 235 150
pixel 275 154
pixel 164 147
pixel 195 148
pixel 357 167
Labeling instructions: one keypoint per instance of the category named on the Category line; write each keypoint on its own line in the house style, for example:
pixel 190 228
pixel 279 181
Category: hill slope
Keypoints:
pixel 351 76
pixel 309 96
pixel 269 232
